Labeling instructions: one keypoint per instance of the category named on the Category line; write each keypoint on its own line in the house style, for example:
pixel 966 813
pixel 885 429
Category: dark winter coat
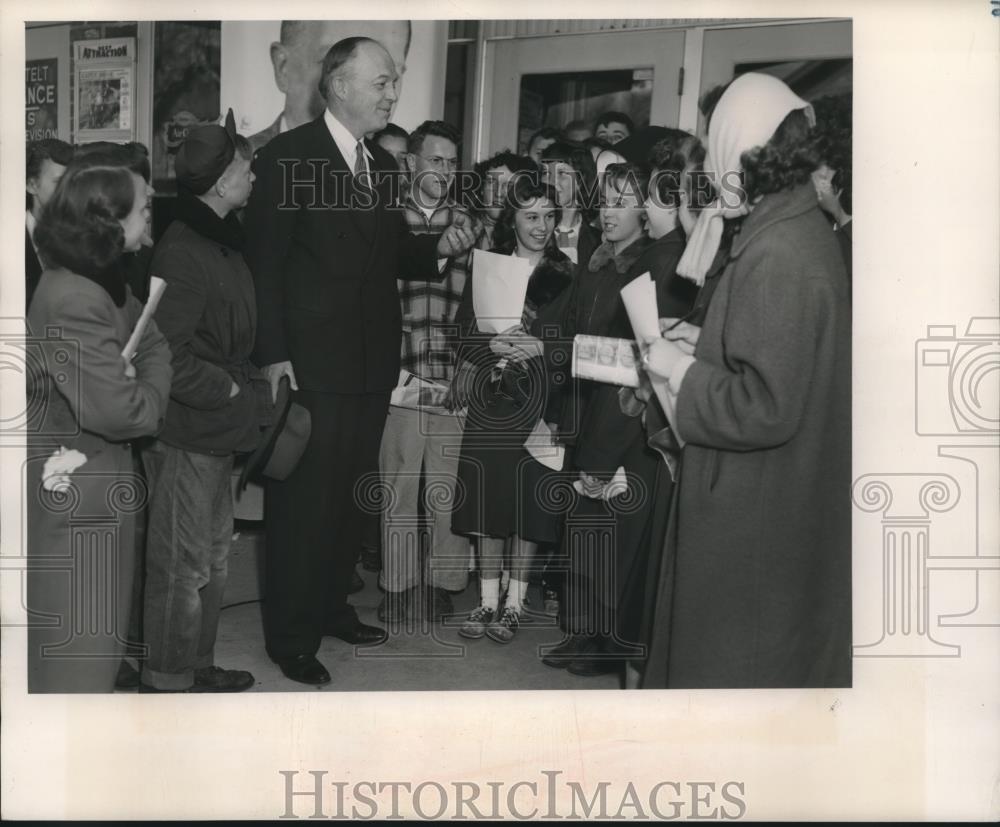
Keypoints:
pixel 503 486
pixel 208 313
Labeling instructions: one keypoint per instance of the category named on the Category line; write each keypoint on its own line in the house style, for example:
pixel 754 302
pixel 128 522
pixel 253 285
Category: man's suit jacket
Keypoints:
pixel 32 269
pixel 326 276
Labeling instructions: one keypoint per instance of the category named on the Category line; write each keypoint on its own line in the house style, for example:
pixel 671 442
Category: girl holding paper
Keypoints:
pixel 86 403
pixel 612 433
pixel 503 496
pixel 754 586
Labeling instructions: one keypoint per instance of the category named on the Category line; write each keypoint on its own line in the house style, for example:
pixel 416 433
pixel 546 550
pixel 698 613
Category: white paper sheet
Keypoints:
pixel 412 391
pixel 542 446
pixel 499 285
pixel 156 288
pixel 639 297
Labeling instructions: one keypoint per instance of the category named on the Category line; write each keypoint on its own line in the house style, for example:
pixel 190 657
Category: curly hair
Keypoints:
pixel 785 161
pixel 80 227
pixel 832 139
pixel 545 133
pixel 629 179
pixel 580 158
pixel 674 159
pixel 132 155
pixel 522 193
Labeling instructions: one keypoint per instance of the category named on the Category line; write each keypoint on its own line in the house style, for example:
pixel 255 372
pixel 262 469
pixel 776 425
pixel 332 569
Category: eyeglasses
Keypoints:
pixel 438 162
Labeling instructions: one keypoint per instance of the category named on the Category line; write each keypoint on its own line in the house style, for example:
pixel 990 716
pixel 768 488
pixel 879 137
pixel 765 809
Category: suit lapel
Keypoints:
pixel 341 177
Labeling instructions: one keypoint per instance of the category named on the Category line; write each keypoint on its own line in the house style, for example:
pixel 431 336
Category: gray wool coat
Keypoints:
pixel 755 583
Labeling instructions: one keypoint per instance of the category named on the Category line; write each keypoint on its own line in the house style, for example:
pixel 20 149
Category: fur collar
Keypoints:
pixel 623 260
pixel 551 276
pixel 113 279
pixel 205 221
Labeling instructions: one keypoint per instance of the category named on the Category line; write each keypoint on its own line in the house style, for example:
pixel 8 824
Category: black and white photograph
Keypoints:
pixel 420 365
pixel 414 543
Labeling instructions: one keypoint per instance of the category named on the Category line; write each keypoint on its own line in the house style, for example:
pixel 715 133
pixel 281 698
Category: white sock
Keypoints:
pixel 490 592
pixel 515 593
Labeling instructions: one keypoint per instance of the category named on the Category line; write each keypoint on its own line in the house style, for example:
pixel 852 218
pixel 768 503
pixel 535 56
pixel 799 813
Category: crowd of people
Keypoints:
pixel 695 530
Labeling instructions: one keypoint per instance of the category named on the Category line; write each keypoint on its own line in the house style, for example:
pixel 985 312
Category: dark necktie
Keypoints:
pixel 359 159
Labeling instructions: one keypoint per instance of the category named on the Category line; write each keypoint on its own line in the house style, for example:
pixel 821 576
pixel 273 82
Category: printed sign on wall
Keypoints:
pixel 41 112
pixel 105 80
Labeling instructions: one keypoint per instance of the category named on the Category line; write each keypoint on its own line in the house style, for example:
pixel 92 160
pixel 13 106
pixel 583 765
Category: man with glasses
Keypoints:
pixel 421 438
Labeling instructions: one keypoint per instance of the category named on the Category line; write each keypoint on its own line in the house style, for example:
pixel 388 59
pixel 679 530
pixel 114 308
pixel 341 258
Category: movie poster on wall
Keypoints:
pixel 104 75
pixel 41 96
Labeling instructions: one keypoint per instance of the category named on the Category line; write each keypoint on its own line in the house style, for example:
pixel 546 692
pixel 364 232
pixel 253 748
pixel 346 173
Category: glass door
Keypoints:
pixel 552 80
pixel 814 59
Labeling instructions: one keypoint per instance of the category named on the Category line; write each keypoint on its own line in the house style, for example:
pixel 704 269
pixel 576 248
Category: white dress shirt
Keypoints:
pixel 31 222
pixel 348 146
pixel 346 142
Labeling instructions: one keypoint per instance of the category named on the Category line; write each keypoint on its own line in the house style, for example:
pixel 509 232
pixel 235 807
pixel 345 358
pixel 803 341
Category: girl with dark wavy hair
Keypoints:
pixel 87 404
pixel 753 585
pixel 502 379
pixel 570 170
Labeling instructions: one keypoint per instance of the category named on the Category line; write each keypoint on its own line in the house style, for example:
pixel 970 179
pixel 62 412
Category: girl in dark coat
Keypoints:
pixel 591 307
pixel 503 382
pixel 612 433
pixel 755 586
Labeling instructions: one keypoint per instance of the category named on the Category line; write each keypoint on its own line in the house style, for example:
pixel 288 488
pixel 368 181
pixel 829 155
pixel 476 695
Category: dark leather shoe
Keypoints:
pixel 593 658
pixel 396 607
pixel 371 560
pixel 361 633
pixel 145 689
pixel 591 667
pixel 559 657
pixel 439 604
pixel 127 678
pixel 357 584
pixel 215 679
pixel 304 669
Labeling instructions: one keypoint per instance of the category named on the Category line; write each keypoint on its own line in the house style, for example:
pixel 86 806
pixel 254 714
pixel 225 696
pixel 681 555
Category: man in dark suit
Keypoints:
pixel 325 249
pixel 45 162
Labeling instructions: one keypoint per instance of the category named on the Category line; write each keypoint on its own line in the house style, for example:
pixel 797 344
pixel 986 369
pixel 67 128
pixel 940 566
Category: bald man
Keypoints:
pixel 329 320
pixel 297 60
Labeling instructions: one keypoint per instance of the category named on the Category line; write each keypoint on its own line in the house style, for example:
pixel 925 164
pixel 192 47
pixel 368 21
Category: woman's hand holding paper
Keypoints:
pixel 683 334
pixel 661 357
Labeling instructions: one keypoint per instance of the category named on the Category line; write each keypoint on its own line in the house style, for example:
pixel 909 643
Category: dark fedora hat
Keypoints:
pixel 283 441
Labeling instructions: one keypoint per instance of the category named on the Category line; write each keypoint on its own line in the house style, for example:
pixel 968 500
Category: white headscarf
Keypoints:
pixel 746 116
